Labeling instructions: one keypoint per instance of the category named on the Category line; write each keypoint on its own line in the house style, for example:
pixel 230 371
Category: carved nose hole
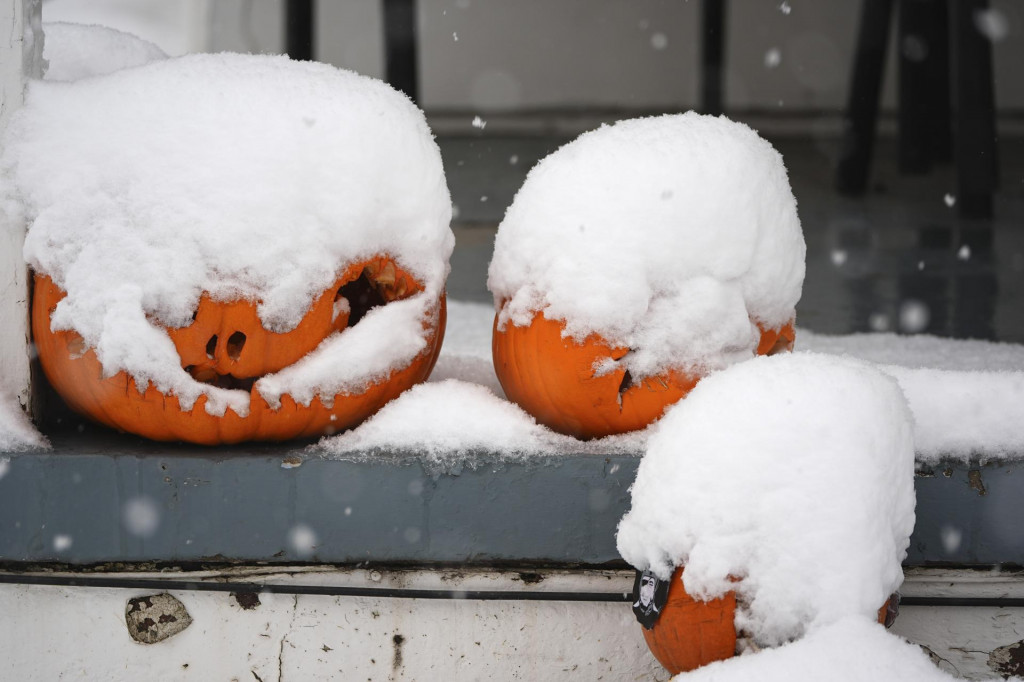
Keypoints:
pixel 211 346
pixel 235 344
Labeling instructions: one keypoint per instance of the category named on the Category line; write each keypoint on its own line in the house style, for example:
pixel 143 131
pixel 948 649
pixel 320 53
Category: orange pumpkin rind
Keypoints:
pixel 553 378
pixel 226 345
pixel 691 633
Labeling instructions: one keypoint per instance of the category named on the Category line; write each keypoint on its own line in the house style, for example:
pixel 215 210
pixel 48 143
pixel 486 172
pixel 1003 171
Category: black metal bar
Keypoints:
pixel 924 93
pixel 323 590
pixel 975 138
pixel 401 593
pixel 991 602
pixel 712 56
pixel 401 50
pixel 299 22
pixel 862 106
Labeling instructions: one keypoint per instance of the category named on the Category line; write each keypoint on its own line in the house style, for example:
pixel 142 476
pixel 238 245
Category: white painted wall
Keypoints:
pixel 52 633
pixel 20 58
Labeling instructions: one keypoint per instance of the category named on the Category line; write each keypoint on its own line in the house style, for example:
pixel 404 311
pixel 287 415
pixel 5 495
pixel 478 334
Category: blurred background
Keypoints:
pixel 901 121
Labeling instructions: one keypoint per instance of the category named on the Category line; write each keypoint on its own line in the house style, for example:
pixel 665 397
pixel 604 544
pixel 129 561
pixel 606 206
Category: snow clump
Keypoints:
pixel 791 473
pixel 853 649
pixel 247 177
pixel 76 51
pixel 674 236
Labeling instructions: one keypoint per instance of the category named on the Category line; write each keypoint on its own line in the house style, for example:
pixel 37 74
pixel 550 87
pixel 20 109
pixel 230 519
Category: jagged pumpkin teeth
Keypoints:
pixel 386 276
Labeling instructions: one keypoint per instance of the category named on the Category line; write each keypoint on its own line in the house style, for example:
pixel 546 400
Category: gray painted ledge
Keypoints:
pixel 243 504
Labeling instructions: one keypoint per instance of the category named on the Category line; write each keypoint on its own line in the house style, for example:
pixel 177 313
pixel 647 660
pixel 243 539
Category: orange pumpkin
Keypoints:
pixel 552 377
pixel 227 346
pixel 690 633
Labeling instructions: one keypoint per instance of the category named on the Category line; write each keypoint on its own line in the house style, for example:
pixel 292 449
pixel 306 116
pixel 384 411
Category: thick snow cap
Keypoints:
pixel 252 177
pixel 671 236
pixel 792 473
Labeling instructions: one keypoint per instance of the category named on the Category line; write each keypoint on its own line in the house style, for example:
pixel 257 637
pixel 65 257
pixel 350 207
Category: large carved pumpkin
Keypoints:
pixel 554 379
pixel 227 346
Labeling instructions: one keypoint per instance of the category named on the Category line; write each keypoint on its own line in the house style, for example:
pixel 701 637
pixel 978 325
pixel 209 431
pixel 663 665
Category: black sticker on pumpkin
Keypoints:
pixel 649 597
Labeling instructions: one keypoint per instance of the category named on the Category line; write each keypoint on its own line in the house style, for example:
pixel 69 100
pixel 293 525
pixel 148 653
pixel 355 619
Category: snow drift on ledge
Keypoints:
pixel 967 398
pixel 253 177
pixel 669 235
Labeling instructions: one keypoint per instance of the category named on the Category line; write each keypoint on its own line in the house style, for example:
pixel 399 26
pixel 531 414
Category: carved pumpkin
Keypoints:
pixel 227 346
pixel 690 633
pixel 554 379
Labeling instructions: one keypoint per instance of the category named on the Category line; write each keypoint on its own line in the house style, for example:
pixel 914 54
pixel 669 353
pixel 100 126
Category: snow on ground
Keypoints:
pixel 793 474
pixel 75 51
pixel 17 433
pixel 243 176
pixel 853 649
pixel 671 236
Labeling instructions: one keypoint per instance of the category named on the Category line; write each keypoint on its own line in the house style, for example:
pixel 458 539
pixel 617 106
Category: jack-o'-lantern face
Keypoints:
pixel 227 346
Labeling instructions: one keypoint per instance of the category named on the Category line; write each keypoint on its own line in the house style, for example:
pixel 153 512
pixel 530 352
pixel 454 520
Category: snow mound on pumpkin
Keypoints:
pixel 76 51
pixel 672 236
pixel 792 473
pixel 252 177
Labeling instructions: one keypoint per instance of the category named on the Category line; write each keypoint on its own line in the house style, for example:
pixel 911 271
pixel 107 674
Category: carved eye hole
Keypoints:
pixel 235 344
pixel 362 293
pixel 211 346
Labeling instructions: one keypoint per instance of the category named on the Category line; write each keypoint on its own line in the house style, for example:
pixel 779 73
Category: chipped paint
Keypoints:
pixel 155 618
pixel 974 482
pixel 1008 660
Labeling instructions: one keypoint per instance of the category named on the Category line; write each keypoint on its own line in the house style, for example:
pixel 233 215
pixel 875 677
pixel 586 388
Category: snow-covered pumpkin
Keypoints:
pixel 230 247
pixel 635 260
pixel 780 496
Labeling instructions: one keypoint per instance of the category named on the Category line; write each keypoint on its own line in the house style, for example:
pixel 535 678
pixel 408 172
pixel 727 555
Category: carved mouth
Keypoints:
pixel 206 375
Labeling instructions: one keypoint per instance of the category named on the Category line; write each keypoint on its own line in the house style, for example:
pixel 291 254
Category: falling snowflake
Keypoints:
pixel 302 540
pixel 772 58
pixel 479 123
pixel 140 516
pixel 914 316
